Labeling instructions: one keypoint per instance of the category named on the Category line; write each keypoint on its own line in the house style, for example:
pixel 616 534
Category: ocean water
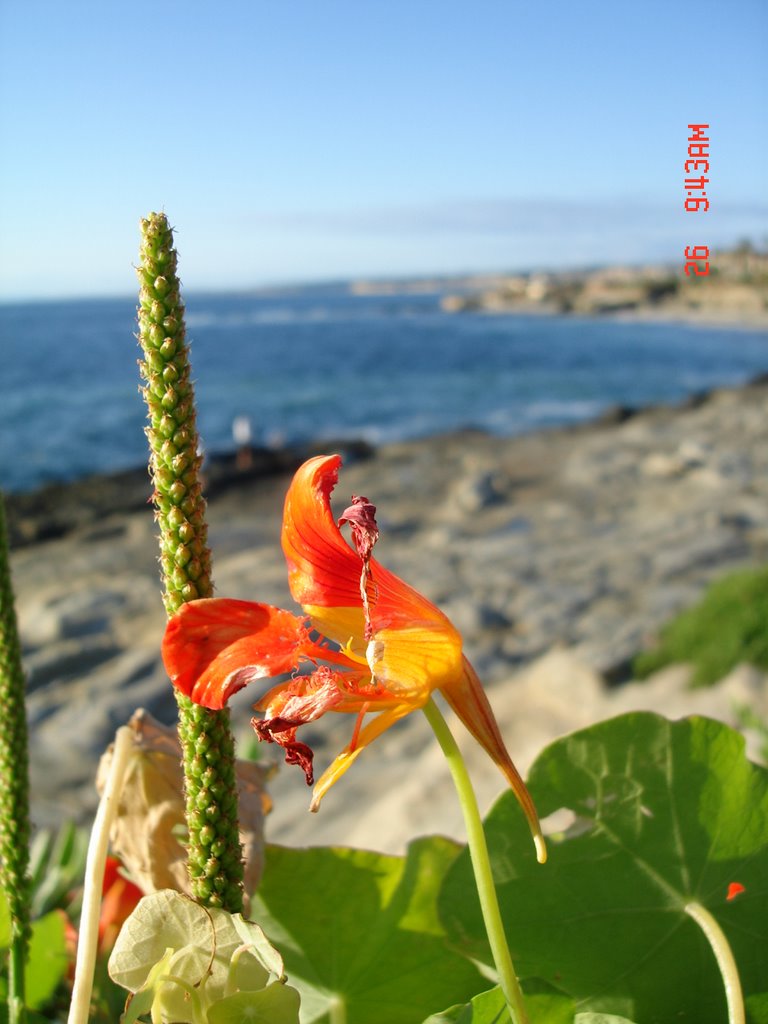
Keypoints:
pixel 321 363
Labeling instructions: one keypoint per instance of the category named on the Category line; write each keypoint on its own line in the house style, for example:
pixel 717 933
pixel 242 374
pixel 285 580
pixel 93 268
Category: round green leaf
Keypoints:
pixel 664 814
pixel 360 934
pixel 490 1008
pixel 275 1004
pixel 161 921
pixel 182 958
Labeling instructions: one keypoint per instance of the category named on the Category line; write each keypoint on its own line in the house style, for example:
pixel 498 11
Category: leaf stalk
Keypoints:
pixel 725 960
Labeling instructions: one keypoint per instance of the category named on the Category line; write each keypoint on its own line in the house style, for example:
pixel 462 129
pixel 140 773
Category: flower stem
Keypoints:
pixel 88 937
pixel 724 956
pixel 214 851
pixel 14 785
pixel 481 865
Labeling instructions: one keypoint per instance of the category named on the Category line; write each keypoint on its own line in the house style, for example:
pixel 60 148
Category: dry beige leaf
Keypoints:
pixel 150 824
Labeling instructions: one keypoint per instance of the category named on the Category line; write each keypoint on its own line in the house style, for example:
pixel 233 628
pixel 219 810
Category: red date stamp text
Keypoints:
pixel 696 181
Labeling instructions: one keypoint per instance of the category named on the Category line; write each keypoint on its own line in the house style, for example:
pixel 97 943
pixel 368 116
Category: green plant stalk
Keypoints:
pixel 481 865
pixel 337 1011
pixel 725 961
pixel 88 937
pixel 214 851
pixel 14 785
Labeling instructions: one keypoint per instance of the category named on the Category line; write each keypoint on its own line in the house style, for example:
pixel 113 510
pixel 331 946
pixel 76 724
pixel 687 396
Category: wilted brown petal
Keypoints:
pixel 150 817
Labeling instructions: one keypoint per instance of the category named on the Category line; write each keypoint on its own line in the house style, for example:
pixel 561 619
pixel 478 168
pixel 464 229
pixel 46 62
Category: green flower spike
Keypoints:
pixel 215 856
pixel 14 785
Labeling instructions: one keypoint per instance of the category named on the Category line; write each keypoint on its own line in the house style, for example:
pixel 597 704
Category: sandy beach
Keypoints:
pixel 558 555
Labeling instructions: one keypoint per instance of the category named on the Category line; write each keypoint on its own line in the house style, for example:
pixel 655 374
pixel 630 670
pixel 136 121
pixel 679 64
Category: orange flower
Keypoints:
pixel 119 899
pixel 371 641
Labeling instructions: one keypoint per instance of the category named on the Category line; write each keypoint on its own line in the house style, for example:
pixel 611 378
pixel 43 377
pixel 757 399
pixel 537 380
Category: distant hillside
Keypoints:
pixel 734 291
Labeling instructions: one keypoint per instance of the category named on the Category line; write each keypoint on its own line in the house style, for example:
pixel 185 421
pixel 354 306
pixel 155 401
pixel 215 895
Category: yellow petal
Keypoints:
pixel 348 756
pixel 341 625
pixel 412 662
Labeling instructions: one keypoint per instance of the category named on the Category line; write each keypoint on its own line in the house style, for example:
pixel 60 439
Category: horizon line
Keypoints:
pixel 306 284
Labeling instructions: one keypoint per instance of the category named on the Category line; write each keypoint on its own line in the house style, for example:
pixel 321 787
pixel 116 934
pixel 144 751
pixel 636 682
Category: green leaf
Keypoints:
pixel 57 866
pixel 665 814
pixel 141 1002
pixel 600 1018
pixel 550 1008
pixel 162 921
pixel 208 937
pixel 487 1008
pixel 757 1009
pixel 360 934
pixel 181 959
pixel 47 961
pixel 252 936
pixel 275 1004
pixel 547 1007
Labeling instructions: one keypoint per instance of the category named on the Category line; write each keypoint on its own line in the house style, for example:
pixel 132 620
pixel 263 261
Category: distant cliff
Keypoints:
pixel 735 291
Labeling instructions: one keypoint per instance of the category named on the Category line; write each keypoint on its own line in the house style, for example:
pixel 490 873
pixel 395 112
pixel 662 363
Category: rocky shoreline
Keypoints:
pixel 60 508
pixel 557 554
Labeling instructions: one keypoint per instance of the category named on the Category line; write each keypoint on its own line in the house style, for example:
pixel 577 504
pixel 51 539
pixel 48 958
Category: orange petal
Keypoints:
pixel 355 690
pixel 313 693
pixel 303 699
pixel 322 568
pixel 467 698
pixel 119 899
pixel 324 571
pixel 212 648
pixel 292 704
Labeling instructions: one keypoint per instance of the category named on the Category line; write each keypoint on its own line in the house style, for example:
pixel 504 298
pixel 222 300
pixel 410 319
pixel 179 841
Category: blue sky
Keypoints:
pixel 321 139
